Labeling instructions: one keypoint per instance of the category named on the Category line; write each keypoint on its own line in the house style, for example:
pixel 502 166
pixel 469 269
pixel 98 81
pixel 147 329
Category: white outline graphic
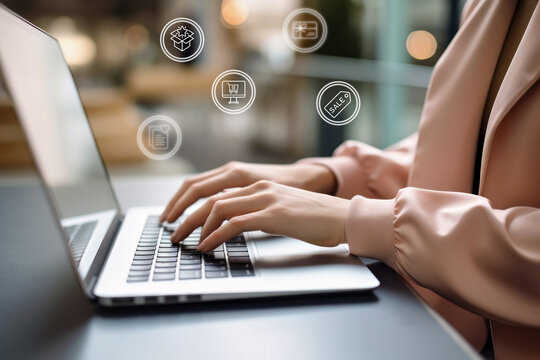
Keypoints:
pixel 165 33
pixel 233 90
pixel 172 124
pixel 353 92
pixel 215 86
pixel 286 26
pixel 310 27
pixel 182 37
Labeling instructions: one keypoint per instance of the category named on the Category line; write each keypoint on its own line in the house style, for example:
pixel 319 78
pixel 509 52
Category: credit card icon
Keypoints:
pixel 305 30
pixel 338 103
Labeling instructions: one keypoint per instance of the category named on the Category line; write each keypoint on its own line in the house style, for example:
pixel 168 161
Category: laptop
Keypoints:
pixel 127 258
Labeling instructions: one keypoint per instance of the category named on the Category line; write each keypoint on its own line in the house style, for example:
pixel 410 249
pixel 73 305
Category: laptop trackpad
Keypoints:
pixel 281 255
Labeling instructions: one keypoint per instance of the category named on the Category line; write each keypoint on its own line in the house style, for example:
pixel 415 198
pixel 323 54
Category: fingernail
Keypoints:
pixel 201 248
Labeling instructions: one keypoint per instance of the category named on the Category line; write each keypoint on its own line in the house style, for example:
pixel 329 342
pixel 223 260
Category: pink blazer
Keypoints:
pixel 470 257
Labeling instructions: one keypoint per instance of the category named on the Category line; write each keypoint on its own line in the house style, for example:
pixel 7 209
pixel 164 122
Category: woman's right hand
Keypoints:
pixel 311 177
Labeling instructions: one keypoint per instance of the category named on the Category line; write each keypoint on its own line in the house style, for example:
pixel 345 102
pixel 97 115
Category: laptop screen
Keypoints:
pixel 48 106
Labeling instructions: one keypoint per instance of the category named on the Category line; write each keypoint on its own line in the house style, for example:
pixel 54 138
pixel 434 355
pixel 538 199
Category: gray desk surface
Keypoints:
pixel 45 316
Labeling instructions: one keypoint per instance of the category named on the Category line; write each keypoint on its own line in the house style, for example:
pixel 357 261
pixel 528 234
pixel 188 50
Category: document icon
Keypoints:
pixel 159 136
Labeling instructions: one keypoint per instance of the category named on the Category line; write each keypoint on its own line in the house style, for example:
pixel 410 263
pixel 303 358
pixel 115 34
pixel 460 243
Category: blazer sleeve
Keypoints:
pixel 361 169
pixel 483 259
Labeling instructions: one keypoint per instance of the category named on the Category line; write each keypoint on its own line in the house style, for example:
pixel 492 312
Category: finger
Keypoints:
pixel 185 185
pixel 202 189
pixel 254 221
pixel 199 216
pixel 226 209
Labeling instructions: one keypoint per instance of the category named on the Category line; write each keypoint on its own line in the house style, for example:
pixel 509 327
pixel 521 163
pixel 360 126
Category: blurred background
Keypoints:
pixel 385 48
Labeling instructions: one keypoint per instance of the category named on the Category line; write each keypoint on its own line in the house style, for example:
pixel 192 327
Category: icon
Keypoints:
pixel 233 90
pixel 237 91
pixel 338 103
pixel 159 136
pixel 305 30
pixel 181 39
pixel 341 103
pixel 163 137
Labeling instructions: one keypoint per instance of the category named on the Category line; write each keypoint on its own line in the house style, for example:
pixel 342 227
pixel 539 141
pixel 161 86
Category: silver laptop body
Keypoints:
pixel 124 259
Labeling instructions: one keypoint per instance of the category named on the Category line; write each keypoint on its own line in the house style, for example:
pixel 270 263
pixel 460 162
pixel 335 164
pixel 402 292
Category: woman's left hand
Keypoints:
pixel 273 208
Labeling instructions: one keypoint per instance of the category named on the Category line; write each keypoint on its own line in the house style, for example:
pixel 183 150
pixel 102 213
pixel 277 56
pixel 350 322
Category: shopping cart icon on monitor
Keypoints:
pixel 233 90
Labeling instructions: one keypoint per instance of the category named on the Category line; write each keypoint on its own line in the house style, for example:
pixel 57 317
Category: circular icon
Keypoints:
pixel 233 91
pixel 338 103
pixel 159 137
pixel 305 30
pixel 181 39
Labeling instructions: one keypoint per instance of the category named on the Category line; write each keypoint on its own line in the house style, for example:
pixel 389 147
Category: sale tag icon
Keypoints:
pixel 338 103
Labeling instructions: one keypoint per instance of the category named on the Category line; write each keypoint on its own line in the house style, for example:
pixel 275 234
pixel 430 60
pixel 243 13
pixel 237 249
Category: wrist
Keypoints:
pixel 370 228
pixel 319 179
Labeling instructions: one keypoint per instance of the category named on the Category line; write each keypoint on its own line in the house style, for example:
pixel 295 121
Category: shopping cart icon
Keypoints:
pixel 233 90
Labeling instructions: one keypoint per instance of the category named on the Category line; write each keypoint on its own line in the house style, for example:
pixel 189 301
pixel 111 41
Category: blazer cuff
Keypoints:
pixel 370 229
pixel 347 172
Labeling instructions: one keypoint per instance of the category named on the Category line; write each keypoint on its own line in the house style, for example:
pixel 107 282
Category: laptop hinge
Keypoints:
pixel 102 255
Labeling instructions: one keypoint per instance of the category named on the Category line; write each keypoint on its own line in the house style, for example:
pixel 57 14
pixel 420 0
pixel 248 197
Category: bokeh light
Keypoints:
pixel 79 49
pixel 421 44
pixel 136 37
pixel 234 12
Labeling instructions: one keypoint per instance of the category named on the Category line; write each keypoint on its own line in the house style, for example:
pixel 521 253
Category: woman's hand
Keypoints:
pixel 273 208
pixel 310 177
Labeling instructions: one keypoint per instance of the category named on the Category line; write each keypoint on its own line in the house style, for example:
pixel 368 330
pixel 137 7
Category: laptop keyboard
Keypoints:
pixel 157 259
pixel 79 236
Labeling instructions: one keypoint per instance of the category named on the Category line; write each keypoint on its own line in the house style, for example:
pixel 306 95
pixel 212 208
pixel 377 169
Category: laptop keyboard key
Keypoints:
pixel 144 252
pixel 162 270
pixel 242 272
pixel 141 262
pixel 215 274
pixel 167 250
pixel 190 267
pixel 215 263
pixel 167 245
pixel 242 254
pixel 190 274
pixel 237 249
pixel 190 256
pixel 189 261
pixel 143 257
pixel 241 266
pixel 140 267
pixel 167 255
pixel 209 267
pixel 163 277
pixel 166 264
pixel 232 245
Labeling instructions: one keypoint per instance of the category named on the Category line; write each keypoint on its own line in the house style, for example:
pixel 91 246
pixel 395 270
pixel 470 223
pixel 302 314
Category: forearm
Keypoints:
pixel 483 259
pixel 361 169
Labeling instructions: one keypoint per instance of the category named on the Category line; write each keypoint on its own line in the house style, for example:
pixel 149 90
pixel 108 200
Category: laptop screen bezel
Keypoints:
pixel 88 282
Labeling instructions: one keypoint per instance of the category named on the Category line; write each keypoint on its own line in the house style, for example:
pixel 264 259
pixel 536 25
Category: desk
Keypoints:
pixel 45 315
